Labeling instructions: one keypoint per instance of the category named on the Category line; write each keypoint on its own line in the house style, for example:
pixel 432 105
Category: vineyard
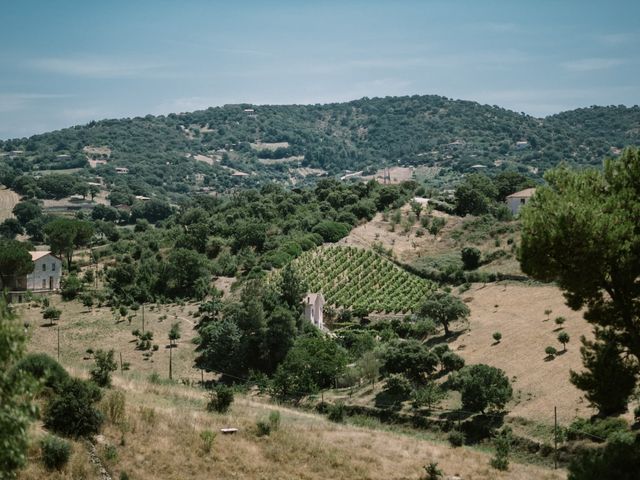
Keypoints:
pixel 350 277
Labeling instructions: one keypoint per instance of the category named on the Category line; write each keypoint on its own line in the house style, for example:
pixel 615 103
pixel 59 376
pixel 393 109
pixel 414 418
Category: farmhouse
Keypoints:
pixel 515 201
pixel 44 278
pixel 313 305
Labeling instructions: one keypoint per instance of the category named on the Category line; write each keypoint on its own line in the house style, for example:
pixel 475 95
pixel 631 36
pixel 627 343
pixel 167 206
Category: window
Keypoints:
pixel 44 267
pixel 523 201
pixel 53 267
pixel 44 283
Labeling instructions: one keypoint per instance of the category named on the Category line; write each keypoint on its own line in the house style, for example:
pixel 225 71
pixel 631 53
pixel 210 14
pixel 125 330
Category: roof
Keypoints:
pixel 311 298
pixel 37 255
pixel 526 193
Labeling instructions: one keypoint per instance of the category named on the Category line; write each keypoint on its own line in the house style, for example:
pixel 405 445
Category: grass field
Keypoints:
pixel 8 200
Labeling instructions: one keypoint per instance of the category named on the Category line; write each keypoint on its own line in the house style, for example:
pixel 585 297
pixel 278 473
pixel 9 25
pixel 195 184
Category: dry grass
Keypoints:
pixel 161 438
pixel 8 200
pixel 517 311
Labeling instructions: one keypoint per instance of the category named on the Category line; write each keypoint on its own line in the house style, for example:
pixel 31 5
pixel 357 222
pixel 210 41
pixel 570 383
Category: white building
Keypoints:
pixel 515 201
pixel 313 306
pixel 46 273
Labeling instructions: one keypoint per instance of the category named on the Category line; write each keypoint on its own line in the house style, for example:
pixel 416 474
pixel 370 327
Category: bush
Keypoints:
pixel 71 412
pixel 271 424
pixel 598 429
pixel 55 452
pixel 70 287
pixel 470 258
pixel 274 420
pixel 550 351
pixel 398 385
pixel 336 412
pixel 264 428
pixel 113 407
pixel 432 472
pixel 451 361
pixel 456 438
pixel 619 460
pixel 44 368
pixel 502 443
pixel 105 364
pixel 207 437
pixel 497 336
pixel 220 399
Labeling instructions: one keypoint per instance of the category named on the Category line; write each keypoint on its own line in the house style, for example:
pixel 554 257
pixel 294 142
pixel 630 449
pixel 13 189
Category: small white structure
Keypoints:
pixel 46 273
pixel 522 144
pixel 313 306
pixel 122 170
pixel 515 201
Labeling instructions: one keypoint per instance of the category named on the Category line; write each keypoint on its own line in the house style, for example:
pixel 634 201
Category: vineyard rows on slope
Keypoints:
pixel 351 277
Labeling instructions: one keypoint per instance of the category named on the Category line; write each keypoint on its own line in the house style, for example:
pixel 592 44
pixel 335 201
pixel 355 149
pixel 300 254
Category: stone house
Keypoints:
pixel 515 201
pixel 313 308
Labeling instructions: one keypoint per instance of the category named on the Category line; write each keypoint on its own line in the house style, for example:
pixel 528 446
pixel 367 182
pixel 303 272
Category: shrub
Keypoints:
pixel 336 412
pixel 470 258
pixel 207 437
pixel 598 429
pixel 72 412
pixel 497 336
pixel 70 287
pixel 550 351
pixel 432 472
pixel 456 438
pixel 44 368
pixel 105 364
pixel 220 399
pixel 274 420
pixel 113 406
pixel 264 428
pixel 55 452
pixel 451 361
pixel 619 459
pixel 398 385
pixel 502 443
pixel 560 320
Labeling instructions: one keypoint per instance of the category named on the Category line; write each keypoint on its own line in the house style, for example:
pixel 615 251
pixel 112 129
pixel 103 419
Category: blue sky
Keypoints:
pixel 68 62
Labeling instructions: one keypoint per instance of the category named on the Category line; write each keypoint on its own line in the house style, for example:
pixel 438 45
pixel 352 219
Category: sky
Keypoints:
pixel 68 62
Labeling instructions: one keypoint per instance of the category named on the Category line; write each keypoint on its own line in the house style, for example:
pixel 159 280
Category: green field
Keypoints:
pixel 351 277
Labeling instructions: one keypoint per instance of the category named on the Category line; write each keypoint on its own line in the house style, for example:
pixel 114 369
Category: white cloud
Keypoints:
pixel 11 102
pixel 96 67
pixel 615 39
pixel 592 64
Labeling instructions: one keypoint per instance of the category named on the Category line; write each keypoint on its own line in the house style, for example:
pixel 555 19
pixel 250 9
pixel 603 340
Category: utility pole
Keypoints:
pixel 143 317
pixel 121 362
pixel 58 341
pixel 555 437
pixel 170 359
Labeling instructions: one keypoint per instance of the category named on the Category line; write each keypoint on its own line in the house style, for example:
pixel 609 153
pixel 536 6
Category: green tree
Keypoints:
pixel 618 460
pixel 26 211
pixel 430 395
pixel 280 335
pixel 470 258
pixel 582 231
pixel 17 409
pixel 220 347
pixel 444 309
pixel 481 387
pixel 563 338
pixel 72 412
pixel 105 364
pixel 11 228
pixel 174 336
pixel 475 195
pixel 15 261
pixel 52 314
pixel 66 234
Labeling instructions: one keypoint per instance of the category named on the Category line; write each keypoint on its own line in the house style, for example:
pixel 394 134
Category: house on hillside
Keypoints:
pixel 44 278
pixel 313 307
pixel 515 201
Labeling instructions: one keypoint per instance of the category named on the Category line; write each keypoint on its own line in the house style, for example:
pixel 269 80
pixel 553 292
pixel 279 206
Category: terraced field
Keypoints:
pixel 351 277
pixel 8 200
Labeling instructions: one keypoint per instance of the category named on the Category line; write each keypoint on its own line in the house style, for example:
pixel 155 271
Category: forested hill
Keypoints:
pixel 239 145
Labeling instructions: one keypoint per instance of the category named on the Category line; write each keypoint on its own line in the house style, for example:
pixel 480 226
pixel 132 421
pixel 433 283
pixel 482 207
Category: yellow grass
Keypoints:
pixel 8 200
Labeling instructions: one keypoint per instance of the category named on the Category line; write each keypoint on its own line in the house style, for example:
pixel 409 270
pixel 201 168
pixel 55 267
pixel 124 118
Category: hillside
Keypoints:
pixel 243 145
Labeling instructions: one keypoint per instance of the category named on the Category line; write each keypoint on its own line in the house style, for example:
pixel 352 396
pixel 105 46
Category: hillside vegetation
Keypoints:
pixel 247 144
pixel 361 279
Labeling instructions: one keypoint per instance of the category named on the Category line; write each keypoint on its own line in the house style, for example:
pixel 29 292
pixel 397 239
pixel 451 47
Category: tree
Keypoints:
pixel 609 379
pixel 280 335
pixel 582 231
pixel 470 258
pixel 416 207
pixel 497 336
pixel 52 314
pixel 220 347
pixel 15 261
pixel 481 387
pixel 502 442
pixel 93 191
pixel 475 195
pixel 65 234
pixel 72 412
pixel 430 395
pixel 292 287
pixel 10 228
pixel 105 364
pixel 311 364
pixel 563 338
pixel 443 308
pixel 26 211
pixel 618 460
pixel 411 358
pixel 174 335
pixel 16 395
